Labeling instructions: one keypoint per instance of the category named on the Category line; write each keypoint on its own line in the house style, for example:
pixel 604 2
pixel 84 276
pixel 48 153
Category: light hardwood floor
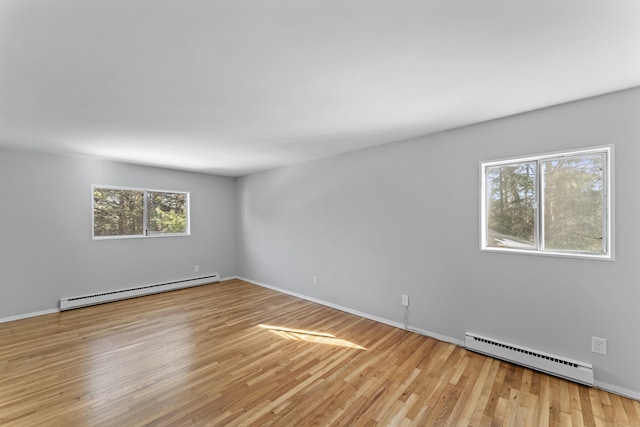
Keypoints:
pixel 236 354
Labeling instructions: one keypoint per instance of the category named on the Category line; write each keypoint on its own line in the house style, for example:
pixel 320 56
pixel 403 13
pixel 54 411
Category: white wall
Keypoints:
pixel 403 218
pixel 46 249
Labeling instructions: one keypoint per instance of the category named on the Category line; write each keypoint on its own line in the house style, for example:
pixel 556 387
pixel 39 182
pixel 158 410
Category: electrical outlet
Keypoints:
pixel 196 268
pixel 405 300
pixel 599 345
pixel 315 280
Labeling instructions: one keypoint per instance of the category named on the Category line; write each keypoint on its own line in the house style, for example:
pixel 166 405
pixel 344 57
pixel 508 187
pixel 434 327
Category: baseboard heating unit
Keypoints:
pixel 555 365
pixel 99 298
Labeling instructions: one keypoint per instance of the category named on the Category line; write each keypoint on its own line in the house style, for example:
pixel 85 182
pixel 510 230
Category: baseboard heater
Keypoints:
pixel 86 300
pixel 555 365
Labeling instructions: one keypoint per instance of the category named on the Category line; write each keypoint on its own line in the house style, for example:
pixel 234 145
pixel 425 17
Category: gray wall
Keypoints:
pixel 403 218
pixel 46 249
pixel 372 224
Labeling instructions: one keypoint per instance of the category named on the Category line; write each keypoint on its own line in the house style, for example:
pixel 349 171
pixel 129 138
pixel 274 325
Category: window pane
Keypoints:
pixel 167 212
pixel 573 203
pixel 511 202
pixel 117 212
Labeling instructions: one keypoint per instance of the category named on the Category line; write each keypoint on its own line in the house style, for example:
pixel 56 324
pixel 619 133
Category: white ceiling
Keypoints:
pixel 232 87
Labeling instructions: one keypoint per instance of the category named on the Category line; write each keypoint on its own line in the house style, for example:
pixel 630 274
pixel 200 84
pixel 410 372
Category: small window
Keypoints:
pixel 167 213
pixel 552 204
pixel 130 212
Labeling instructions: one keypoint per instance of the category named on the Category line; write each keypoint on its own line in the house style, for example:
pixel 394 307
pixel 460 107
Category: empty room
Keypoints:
pixel 290 213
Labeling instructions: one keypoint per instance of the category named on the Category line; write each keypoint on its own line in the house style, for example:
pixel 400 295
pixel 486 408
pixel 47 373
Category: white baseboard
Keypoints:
pixel 359 313
pixel 631 394
pixel 27 315
pixel 459 343
pixel 69 303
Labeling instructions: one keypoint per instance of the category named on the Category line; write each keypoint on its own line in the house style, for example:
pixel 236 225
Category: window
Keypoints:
pixel 131 212
pixel 556 204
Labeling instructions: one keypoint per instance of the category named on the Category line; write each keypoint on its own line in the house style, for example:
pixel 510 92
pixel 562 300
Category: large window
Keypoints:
pixel 132 212
pixel 552 204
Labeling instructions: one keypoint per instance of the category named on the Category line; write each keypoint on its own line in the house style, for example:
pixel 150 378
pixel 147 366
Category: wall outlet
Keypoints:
pixel 196 268
pixel 599 345
pixel 315 280
pixel 405 300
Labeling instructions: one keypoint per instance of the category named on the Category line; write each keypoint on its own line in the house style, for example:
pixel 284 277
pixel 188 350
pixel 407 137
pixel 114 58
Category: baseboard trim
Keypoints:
pixel 79 301
pixel 631 394
pixel 28 315
pixel 57 310
pixel 439 337
pixel 369 316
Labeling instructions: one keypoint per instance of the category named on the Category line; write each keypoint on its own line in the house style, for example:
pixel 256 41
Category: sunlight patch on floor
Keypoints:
pixel 310 336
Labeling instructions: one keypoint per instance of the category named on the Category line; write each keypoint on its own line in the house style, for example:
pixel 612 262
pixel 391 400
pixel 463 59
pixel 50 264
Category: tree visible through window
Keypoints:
pixel 573 199
pixel 554 203
pixel 511 205
pixel 167 212
pixel 123 212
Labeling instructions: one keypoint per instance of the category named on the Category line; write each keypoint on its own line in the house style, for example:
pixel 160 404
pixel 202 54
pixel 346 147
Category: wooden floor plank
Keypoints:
pixel 231 354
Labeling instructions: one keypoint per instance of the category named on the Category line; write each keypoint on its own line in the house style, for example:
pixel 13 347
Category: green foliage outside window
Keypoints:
pixel 167 212
pixel 573 203
pixel 512 201
pixel 122 212
pixel 117 212
pixel 549 204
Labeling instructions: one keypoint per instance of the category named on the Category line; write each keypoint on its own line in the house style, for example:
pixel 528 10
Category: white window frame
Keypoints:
pixel 145 218
pixel 608 223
